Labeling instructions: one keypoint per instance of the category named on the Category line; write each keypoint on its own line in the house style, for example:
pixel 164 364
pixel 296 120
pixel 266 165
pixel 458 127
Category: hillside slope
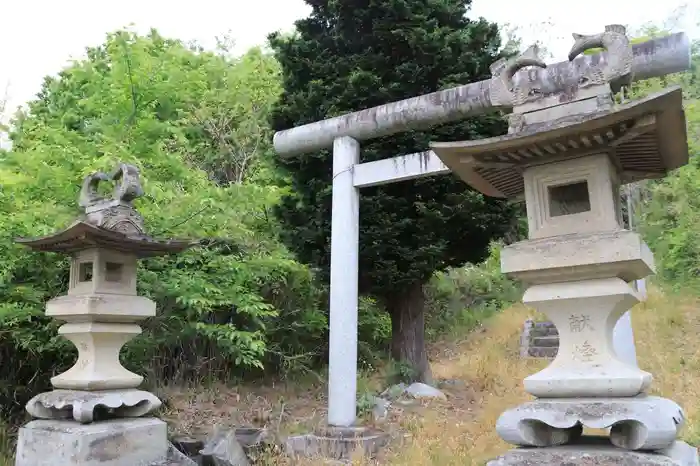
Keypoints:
pixel 489 372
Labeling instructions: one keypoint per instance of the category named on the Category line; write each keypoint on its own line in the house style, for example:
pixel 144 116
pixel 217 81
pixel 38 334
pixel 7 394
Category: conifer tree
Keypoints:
pixel 350 55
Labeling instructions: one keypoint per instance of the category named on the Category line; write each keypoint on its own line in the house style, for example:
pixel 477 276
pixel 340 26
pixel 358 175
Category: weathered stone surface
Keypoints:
pixel 394 392
pixel 134 442
pixel 421 390
pixel 252 439
pixel 578 256
pixel 503 91
pixel 176 458
pixel 415 390
pixel 654 58
pixel 539 340
pixel 546 353
pixel 87 407
pixel 101 308
pixel 380 411
pixel 548 330
pixel 224 449
pixel 187 445
pixel 496 166
pixel 338 443
pixel 116 212
pixel 617 68
pixel 586 365
pixel 640 423
pixel 546 342
pixel 597 452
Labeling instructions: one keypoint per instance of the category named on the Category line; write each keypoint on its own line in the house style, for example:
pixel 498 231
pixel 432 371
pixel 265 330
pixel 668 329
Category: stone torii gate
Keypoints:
pixel 653 58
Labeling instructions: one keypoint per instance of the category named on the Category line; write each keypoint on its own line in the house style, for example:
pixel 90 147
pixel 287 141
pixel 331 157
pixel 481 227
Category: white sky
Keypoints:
pixel 37 37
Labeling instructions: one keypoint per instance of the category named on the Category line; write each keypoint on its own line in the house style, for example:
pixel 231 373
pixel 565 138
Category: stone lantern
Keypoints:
pixel 94 414
pixel 567 155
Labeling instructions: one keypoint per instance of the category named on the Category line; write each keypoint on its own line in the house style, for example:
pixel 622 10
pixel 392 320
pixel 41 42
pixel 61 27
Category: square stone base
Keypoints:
pixel 132 442
pixel 597 451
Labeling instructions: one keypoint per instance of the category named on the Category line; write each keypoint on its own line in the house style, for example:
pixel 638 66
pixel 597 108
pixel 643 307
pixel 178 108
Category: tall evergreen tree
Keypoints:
pixel 349 55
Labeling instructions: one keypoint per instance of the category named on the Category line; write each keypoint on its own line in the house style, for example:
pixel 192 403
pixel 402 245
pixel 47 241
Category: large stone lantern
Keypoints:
pixel 94 414
pixel 567 154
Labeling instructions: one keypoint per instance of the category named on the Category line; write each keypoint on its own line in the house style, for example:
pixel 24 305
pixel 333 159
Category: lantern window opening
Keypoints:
pixel 86 272
pixel 569 198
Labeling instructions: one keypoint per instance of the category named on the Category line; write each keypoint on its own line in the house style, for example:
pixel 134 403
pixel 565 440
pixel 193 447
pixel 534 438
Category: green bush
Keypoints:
pixel 459 299
pixel 670 209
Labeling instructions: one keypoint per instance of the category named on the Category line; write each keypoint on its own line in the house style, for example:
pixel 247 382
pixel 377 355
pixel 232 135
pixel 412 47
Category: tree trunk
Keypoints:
pixel 408 331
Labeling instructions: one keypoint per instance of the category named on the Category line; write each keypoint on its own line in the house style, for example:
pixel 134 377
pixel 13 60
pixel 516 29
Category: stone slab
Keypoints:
pixel 134 442
pixel 338 443
pixel 542 353
pixel 595 451
pixel 101 307
pixel 175 458
pixel 638 423
pixel 581 256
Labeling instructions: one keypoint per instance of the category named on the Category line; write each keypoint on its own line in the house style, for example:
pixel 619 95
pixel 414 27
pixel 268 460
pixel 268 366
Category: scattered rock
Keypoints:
pixel 187 445
pixel 381 409
pixel 224 449
pixel 421 390
pixel 177 458
pixel 451 383
pixel 252 439
pixel 415 390
pixel 394 392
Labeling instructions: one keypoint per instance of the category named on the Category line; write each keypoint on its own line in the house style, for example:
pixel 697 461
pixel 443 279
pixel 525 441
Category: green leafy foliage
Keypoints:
pixel 460 299
pixel 671 210
pixel 237 302
pixel 354 55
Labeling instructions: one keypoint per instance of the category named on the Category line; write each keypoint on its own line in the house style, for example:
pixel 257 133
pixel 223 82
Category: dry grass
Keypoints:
pixel 461 431
pixel 458 431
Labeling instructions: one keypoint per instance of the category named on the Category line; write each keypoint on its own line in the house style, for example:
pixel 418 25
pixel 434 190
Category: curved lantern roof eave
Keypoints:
pixel 646 138
pixel 81 236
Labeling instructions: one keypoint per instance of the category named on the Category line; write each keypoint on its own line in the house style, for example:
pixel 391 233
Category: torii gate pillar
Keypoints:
pixel 345 232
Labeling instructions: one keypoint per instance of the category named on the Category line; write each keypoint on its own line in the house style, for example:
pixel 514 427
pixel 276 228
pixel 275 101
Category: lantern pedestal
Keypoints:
pixel 644 423
pixel 598 451
pixel 133 442
pixel 585 313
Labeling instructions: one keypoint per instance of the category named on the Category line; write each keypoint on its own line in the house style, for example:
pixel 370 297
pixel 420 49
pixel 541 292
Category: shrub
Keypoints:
pixel 458 300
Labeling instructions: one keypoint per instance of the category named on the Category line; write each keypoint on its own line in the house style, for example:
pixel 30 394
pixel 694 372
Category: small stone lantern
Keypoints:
pixel 567 154
pixel 101 312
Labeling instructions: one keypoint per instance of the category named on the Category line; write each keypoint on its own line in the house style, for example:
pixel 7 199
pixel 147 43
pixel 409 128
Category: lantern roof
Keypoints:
pixel 109 222
pixel 644 138
pixel 81 235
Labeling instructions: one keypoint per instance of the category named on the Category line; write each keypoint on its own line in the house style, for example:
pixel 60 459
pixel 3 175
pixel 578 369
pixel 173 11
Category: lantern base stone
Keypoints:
pixel 337 443
pixel 134 442
pixel 86 407
pixel 596 451
pixel 640 423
